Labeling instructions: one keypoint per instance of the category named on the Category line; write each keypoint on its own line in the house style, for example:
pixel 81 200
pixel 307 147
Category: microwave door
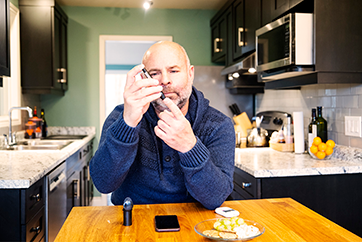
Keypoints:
pixel 271 51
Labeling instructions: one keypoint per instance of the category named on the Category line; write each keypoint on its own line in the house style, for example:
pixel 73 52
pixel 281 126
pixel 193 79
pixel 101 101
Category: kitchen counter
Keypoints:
pixel 21 169
pixel 266 162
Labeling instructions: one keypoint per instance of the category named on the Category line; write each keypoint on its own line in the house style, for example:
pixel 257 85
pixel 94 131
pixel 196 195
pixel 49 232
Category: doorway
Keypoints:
pixel 117 55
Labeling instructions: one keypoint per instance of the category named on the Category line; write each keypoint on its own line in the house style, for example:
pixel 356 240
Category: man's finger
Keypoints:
pixel 173 108
pixel 131 75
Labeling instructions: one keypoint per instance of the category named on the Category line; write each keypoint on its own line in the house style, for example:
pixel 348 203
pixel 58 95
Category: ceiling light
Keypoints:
pixel 147 4
pixel 251 70
pixel 236 75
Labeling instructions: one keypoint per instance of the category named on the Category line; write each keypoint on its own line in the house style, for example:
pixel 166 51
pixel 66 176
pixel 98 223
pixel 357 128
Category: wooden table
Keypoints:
pixel 284 219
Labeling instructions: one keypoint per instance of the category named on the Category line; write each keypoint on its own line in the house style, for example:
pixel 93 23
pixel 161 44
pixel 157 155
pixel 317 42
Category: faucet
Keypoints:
pixel 12 138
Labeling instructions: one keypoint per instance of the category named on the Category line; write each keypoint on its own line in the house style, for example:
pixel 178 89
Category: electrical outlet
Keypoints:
pixel 352 126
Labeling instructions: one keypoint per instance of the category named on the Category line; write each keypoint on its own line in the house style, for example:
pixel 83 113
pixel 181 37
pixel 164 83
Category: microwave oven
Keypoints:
pixel 285 47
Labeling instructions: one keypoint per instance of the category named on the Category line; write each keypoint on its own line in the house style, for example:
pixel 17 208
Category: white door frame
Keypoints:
pixel 102 64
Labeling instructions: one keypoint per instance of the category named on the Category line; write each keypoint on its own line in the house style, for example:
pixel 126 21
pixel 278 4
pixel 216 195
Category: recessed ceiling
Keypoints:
pixel 176 4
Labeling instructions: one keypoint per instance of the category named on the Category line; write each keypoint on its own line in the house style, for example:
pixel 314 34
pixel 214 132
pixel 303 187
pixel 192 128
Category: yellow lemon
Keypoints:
pixel 320 155
pixel 329 150
pixel 314 149
pixel 317 141
pixel 322 147
pixel 330 143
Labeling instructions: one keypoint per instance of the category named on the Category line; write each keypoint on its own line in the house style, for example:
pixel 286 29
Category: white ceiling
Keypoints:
pixel 178 4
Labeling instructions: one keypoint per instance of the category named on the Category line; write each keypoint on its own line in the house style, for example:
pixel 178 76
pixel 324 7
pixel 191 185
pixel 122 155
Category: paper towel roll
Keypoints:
pixel 298 132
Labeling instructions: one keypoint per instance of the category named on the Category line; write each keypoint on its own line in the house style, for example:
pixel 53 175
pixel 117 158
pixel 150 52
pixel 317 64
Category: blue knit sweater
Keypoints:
pixel 134 162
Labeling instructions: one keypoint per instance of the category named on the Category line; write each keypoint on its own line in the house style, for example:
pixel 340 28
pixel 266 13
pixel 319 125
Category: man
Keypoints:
pixel 176 150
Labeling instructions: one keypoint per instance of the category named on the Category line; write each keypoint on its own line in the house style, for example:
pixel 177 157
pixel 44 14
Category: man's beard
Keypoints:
pixel 181 100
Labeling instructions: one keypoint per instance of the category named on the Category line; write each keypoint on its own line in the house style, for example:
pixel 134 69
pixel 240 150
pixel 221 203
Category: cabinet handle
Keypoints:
pixel 36 197
pixel 76 192
pixel 62 72
pixel 88 173
pixel 216 49
pixel 36 229
pixel 240 32
pixel 246 184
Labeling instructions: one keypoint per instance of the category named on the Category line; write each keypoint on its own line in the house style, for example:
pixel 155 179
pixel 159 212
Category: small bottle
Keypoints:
pixel 281 138
pixel 312 128
pixel 35 112
pixel 288 130
pixel 321 125
pixel 44 126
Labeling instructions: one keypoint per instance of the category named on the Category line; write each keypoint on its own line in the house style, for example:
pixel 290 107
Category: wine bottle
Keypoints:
pixel 312 128
pixel 35 112
pixel 321 125
pixel 44 126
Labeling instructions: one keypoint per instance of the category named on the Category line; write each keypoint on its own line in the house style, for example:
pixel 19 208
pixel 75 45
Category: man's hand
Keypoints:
pixel 174 129
pixel 138 95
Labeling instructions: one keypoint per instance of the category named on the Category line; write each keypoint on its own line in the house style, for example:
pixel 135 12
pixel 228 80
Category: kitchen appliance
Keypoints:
pixel 270 121
pixel 257 137
pixel 56 204
pixel 285 47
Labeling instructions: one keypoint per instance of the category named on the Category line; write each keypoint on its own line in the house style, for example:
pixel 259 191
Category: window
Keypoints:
pixel 10 92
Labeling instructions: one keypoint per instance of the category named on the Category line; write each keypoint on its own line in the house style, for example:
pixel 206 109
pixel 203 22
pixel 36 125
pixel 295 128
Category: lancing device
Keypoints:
pixel 149 76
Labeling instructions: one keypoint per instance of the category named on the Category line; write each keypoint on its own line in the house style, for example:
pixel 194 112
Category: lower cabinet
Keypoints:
pixel 23 213
pixel 78 178
pixel 336 197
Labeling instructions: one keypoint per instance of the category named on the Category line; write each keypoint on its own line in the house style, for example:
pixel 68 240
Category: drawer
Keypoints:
pixel 35 228
pixel 247 183
pixel 242 194
pixel 34 198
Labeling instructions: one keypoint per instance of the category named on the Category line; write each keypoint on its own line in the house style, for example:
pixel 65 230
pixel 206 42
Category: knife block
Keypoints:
pixel 243 122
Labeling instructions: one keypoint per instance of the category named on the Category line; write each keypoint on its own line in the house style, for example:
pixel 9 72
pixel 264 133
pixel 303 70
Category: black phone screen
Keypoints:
pixel 166 223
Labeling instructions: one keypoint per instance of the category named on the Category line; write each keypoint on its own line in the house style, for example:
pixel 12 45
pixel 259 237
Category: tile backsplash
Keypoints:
pixel 337 100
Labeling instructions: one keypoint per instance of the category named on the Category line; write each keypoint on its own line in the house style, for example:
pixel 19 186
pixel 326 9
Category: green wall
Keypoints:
pixel 15 2
pixel 80 104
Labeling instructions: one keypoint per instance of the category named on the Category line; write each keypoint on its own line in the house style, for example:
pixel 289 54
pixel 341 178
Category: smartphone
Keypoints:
pixel 166 223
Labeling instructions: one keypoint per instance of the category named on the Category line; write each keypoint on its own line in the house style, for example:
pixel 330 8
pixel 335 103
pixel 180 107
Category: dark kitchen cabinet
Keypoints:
pixel 238 29
pixel 43 30
pixel 246 21
pixel 4 39
pixel 79 190
pixel 23 213
pixel 273 9
pixel 332 196
pixel 219 39
pixel 278 8
pixel 236 22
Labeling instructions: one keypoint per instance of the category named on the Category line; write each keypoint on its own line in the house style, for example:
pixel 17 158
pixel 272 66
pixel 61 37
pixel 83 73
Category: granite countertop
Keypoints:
pixel 266 162
pixel 21 169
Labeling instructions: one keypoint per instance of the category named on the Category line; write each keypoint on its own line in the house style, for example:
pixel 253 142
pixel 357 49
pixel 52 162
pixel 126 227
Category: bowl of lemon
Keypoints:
pixel 320 150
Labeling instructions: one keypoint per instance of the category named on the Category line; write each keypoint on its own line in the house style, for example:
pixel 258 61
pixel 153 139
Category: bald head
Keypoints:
pixel 167 46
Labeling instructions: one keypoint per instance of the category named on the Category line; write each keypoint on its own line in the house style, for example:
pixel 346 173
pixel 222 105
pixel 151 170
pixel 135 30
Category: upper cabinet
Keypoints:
pixel 4 39
pixel 219 38
pixel 273 9
pixel 335 47
pixel 233 30
pixel 43 30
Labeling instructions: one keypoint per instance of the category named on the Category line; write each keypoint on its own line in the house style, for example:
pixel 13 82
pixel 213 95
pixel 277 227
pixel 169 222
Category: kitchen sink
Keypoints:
pixel 40 145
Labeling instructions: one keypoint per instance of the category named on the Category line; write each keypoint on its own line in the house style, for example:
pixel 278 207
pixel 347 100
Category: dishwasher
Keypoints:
pixel 57 201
